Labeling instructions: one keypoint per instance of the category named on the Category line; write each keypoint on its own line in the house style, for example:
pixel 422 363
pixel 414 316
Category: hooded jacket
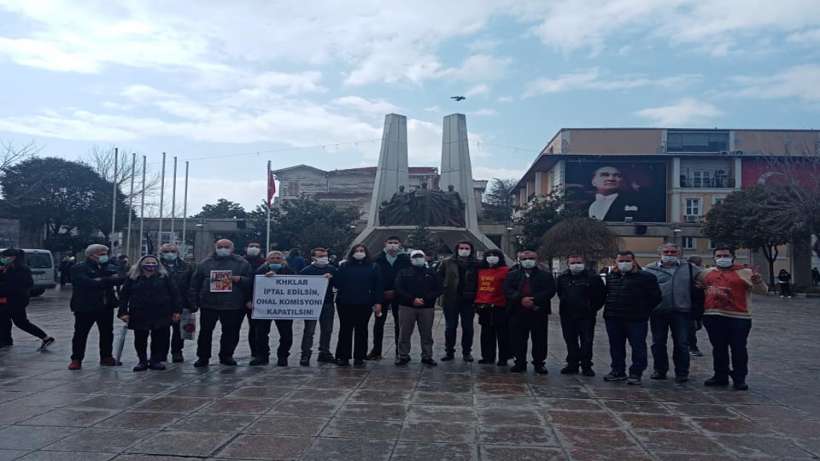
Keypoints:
pixel 149 302
pixel 15 286
pixel 459 280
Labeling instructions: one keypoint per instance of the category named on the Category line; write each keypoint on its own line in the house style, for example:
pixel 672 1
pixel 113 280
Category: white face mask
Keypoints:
pixel 102 259
pixel 576 268
pixel 528 263
pixel 493 260
pixel 724 262
pixel 359 255
pixel 222 252
pixel 625 266
pixel 323 261
pixel 463 253
pixel 667 259
pixel 252 251
pixel 419 262
pixel 169 256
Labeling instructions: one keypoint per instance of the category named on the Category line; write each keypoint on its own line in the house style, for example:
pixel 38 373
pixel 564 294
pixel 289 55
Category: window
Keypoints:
pixel 688 243
pixel 697 141
pixel 711 244
pixel 692 207
pixel 717 200
pixel 706 173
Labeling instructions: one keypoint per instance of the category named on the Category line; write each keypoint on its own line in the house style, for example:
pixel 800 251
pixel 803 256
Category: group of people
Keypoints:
pixel 512 303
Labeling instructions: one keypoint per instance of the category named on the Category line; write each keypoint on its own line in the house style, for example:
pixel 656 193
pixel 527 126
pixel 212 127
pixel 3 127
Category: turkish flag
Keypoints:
pixel 271 186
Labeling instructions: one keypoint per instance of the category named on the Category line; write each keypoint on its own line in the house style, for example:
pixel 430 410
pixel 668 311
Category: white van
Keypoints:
pixel 41 263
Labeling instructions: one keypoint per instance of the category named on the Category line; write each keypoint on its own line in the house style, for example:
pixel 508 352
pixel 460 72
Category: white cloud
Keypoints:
pixel 378 106
pixel 489 172
pixel 505 99
pixel 432 109
pixel 481 88
pixel 685 112
pixel 483 112
pixel 810 37
pixel 479 67
pixel 798 82
pixel 592 79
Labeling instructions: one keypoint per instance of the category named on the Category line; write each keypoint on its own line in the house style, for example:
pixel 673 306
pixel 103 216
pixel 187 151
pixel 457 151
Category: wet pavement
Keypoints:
pixel 457 411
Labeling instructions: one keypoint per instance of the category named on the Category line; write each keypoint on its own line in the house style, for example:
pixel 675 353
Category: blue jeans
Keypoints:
pixel 679 323
pixel 621 330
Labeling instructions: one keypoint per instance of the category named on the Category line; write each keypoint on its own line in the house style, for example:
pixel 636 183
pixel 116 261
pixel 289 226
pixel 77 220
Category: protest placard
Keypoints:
pixel 288 297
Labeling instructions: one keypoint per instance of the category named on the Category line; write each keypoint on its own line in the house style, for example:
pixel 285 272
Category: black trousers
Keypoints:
pixel 579 335
pixel 725 334
pixel 159 344
pixel 177 343
pixel 261 329
pixel 464 311
pixel 5 328
pixel 378 328
pixel 231 321
pixel 525 325
pixel 353 320
pixel 495 333
pixel 18 316
pixel 83 321
pixel 252 334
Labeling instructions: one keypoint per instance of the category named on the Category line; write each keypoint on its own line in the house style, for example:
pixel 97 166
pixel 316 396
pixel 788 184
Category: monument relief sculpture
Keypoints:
pixel 423 207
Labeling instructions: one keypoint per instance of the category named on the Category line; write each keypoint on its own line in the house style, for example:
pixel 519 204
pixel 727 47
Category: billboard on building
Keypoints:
pixel 617 190
pixel 781 171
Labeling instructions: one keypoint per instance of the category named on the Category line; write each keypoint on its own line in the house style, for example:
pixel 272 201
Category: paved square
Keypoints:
pixel 457 411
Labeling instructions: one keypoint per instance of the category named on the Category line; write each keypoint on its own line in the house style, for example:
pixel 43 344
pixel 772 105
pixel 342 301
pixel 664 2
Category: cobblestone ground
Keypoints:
pixel 455 411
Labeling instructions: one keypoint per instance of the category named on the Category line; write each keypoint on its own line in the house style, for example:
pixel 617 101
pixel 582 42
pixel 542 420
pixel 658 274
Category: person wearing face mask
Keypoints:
pixel 320 267
pixel 459 276
pixel 491 306
pixel 417 288
pixel 149 304
pixel 528 290
pixel 727 317
pixel 254 257
pixel 390 262
pixel 220 287
pixel 359 293
pixel 581 293
pixel 180 273
pixel 275 264
pixel 631 295
pixel 93 302
pixel 682 302
pixel 15 285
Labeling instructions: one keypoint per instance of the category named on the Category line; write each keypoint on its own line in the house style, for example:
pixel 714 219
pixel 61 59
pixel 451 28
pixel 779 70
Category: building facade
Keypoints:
pixel 653 185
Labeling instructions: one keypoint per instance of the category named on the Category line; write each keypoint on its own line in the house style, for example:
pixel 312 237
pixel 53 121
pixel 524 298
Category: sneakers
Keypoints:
pixel 569 370
pixel 518 369
pixel 541 370
pixel 46 343
pixel 325 357
pixel 448 358
pixel 109 362
pixel 258 362
pixel 228 361
pixel 658 375
pixel 715 381
pixel 157 366
pixel 615 377
pixel 634 380
pixel 587 372
pixel 402 362
pixel 695 352
pixel 75 365
pixel 468 357
pixel 142 366
pixel 681 379
pixel 177 357
pixel 429 362
pixel 201 363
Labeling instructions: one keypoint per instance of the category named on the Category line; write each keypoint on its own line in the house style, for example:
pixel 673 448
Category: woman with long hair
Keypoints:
pixel 149 303
pixel 15 288
pixel 359 293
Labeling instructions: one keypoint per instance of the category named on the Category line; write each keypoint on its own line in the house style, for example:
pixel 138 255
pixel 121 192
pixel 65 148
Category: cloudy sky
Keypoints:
pixel 230 85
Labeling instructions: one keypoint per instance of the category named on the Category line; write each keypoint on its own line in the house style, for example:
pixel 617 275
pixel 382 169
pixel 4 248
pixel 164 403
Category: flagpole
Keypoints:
pixel 161 200
pixel 131 204
pixel 114 201
pixel 174 201
pixel 142 205
pixel 267 242
pixel 185 214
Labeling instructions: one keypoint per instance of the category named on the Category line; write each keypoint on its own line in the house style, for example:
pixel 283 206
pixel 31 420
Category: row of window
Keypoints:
pixel 694 206
pixel 690 243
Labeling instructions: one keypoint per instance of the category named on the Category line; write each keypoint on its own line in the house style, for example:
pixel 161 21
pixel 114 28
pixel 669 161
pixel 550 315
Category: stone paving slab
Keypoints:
pixel 456 411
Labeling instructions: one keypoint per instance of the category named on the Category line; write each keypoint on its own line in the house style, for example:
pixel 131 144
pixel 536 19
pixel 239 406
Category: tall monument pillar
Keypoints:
pixel 456 169
pixel 392 171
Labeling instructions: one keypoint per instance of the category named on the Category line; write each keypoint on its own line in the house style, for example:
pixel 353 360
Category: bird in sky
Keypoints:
pixel 458 98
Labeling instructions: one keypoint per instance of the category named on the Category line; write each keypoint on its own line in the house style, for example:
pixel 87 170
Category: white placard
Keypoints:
pixel 288 297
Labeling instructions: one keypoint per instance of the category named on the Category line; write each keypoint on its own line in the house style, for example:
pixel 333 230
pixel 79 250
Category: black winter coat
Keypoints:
pixel 93 287
pixel 542 288
pixel 388 271
pixel 359 282
pixel 15 287
pixel 149 302
pixel 417 282
pixel 199 294
pixel 313 269
pixel 631 296
pixel 181 273
pixel 582 295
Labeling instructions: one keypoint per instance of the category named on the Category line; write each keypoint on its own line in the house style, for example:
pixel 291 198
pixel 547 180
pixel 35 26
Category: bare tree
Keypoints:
pixel 102 161
pixel 11 153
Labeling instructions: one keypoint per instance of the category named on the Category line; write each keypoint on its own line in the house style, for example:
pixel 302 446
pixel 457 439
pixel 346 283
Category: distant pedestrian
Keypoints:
pixel 582 293
pixel 180 272
pixel 93 302
pixel 149 303
pixel 631 294
pixel 390 262
pixel 784 280
pixel 491 306
pixel 417 289
pixel 320 266
pixel 15 288
pixel 275 265
pixel 459 276
pixel 65 270
pixel 360 293
pixel 727 317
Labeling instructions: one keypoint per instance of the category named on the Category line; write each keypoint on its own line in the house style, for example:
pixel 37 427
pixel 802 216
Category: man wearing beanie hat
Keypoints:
pixel 417 288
